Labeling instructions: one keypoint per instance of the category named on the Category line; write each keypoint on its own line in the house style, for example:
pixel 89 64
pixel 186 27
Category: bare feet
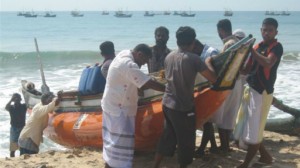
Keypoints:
pixel 265 160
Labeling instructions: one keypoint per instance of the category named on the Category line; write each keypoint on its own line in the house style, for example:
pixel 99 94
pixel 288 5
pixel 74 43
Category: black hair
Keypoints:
pixel 16 94
pixel 185 36
pixel 46 96
pixel 144 48
pixel 107 48
pixel 197 42
pixel 225 25
pixel 270 21
pixel 161 29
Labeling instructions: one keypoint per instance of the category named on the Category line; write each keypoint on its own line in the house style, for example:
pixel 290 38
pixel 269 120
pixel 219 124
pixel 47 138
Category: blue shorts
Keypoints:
pixel 14 136
pixel 15 133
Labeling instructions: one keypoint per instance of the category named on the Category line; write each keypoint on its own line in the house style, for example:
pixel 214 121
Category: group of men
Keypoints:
pixel 181 67
pixel 124 78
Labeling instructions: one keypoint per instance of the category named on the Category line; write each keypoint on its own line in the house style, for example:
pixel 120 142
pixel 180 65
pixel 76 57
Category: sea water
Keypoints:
pixel 68 44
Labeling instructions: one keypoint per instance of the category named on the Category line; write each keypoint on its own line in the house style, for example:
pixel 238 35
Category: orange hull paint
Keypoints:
pixel 149 123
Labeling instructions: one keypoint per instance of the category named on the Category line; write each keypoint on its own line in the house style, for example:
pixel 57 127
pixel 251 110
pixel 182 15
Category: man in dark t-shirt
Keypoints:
pixel 17 113
pixel 181 68
pixel 262 68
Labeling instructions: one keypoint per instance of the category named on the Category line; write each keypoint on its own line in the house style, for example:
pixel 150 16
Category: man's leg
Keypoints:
pixel 251 152
pixel 157 160
pixel 265 156
pixel 204 140
pixel 12 153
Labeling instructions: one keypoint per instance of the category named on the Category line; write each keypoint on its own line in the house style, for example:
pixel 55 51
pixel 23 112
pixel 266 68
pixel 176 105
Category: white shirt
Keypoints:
pixel 121 90
pixel 37 122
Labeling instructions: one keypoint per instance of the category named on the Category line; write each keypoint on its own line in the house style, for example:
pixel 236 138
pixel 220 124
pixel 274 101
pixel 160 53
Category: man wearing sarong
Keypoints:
pixel 226 114
pixel 257 99
pixel 181 68
pixel 119 104
pixel 17 112
pixel 32 134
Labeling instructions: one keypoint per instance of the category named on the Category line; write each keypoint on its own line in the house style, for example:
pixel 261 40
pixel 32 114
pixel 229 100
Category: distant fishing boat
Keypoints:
pixel 148 14
pixel 167 13
pixel 121 14
pixel 272 13
pixel 185 14
pixel 76 13
pixel 176 13
pixel 105 13
pixel 21 14
pixel 285 13
pixel 228 12
pixel 49 14
pixel 30 15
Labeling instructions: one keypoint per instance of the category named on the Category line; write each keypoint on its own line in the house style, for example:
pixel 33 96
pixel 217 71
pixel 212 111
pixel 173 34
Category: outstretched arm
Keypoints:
pixel 152 84
pixel 266 62
pixel 209 73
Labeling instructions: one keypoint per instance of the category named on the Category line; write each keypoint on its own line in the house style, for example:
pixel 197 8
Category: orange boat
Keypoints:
pixel 78 120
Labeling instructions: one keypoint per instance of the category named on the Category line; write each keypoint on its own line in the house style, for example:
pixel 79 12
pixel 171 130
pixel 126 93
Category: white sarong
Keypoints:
pixel 118 140
pixel 252 116
pixel 225 117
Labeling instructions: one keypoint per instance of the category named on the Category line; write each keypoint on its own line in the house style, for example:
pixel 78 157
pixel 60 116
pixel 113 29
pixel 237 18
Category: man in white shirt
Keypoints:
pixel 32 134
pixel 119 104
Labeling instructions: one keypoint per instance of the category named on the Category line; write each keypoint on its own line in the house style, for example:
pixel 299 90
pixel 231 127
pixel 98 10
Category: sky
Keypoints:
pixel 151 5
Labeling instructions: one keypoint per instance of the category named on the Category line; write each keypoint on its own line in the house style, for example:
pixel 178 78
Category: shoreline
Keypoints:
pixel 285 149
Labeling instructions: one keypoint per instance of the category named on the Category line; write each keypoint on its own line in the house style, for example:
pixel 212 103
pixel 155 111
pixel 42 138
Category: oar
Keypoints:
pixel 44 87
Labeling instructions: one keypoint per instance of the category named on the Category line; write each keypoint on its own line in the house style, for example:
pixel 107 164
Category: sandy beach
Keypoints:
pixel 285 150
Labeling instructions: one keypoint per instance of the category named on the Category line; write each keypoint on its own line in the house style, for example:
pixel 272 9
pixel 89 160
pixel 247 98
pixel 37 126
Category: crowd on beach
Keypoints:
pixel 240 120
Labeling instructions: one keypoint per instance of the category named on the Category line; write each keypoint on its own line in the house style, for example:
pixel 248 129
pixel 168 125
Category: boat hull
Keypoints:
pixel 77 129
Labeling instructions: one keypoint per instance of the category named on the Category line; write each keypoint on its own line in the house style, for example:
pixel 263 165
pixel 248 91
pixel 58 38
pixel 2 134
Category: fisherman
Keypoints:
pixel 32 134
pixel 17 112
pixel 119 104
pixel 226 115
pixel 108 53
pixel 181 68
pixel 262 69
pixel 159 50
pixel 205 51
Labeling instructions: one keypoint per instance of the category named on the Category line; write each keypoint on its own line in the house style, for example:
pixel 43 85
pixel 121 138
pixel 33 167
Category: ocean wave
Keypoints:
pixel 291 56
pixel 49 58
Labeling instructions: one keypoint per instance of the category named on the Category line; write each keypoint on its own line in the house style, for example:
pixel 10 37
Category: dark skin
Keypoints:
pixel 161 39
pixel 208 129
pixel 224 134
pixel 209 74
pixel 17 102
pixel 268 33
pixel 141 59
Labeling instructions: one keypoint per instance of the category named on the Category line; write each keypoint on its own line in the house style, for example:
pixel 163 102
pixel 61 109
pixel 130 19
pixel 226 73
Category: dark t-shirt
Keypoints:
pixel 181 69
pixel 17 115
pixel 261 78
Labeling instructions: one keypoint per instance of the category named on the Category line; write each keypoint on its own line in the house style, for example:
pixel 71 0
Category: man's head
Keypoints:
pixel 107 48
pixel 239 33
pixel 16 98
pixel 161 36
pixel 185 38
pixel 224 28
pixel 47 98
pixel 269 29
pixel 142 53
pixel 198 47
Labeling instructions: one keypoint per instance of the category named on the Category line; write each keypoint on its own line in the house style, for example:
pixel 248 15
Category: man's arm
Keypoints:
pixel 8 105
pixel 209 73
pixel 152 84
pixel 266 62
